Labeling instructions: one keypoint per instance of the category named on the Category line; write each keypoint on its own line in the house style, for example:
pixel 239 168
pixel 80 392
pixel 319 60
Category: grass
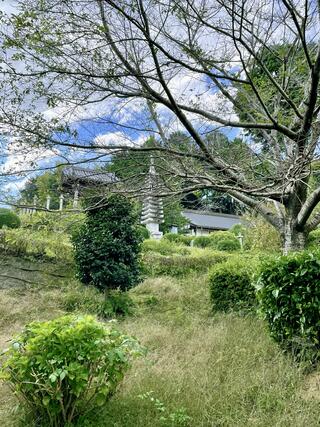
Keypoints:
pixel 223 370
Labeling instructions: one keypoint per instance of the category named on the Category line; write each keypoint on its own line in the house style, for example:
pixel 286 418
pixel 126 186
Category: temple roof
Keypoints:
pixel 74 175
pixel 212 220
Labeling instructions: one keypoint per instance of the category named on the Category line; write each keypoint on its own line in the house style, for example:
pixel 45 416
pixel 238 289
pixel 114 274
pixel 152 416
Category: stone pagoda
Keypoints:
pixel 152 207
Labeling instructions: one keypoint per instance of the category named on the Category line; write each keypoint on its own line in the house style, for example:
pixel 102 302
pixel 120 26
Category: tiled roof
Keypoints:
pixel 75 174
pixel 212 220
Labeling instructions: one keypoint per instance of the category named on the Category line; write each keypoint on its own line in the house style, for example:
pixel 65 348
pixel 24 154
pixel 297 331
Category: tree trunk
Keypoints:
pixel 293 239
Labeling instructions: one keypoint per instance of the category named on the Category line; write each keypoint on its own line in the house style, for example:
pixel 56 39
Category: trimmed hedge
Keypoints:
pixel 231 285
pixel 177 265
pixel 288 291
pixel 9 219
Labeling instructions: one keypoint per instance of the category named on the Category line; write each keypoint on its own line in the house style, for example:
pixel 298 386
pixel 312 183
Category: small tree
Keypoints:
pixel 107 246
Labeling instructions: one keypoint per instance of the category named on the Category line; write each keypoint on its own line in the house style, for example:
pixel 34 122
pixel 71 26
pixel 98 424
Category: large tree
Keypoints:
pixel 184 62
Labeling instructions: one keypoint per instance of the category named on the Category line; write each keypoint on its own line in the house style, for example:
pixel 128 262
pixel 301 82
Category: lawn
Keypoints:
pixel 200 370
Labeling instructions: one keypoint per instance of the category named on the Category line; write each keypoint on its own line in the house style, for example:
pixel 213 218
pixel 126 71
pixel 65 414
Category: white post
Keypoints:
pixel 35 199
pixel 48 202
pixel 240 237
pixel 61 202
pixel 76 197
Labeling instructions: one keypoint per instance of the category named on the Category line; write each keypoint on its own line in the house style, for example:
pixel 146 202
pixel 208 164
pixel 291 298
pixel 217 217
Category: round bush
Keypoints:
pixel 107 246
pixel 9 219
pixel 68 366
pixel 288 291
pixel 228 245
pixel 217 236
pixel 231 285
pixel 202 242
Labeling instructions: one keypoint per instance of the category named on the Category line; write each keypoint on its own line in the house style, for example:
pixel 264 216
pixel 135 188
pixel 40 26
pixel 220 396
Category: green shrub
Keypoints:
pixel 218 239
pixel 9 219
pixel 217 236
pixel 177 265
pixel 314 239
pixel 202 242
pixel 288 291
pixel 67 367
pixel 178 238
pixel 228 245
pixel 238 229
pixel 108 245
pixel 231 285
pixel 213 240
pixel 164 247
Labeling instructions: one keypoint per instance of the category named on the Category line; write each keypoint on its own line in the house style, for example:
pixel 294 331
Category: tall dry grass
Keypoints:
pixel 223 369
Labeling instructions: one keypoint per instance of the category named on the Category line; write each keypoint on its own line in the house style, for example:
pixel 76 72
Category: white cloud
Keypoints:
pixel 118 139
pixel 21 158
pixel 8 6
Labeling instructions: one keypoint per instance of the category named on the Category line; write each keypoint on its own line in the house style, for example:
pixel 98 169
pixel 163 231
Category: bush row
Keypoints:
pixel 231 284
pixel 179 265
pixel 287 290
pixel 220 240
pixel 179 239
pixel 36 244
pixel 165 247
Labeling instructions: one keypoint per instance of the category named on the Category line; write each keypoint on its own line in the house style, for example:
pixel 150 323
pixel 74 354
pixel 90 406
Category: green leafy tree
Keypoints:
pixel 107 247
pixel 47 184
pixel 276 60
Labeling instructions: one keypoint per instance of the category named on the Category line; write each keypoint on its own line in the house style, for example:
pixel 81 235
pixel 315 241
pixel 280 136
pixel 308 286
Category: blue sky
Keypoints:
pixel 93 124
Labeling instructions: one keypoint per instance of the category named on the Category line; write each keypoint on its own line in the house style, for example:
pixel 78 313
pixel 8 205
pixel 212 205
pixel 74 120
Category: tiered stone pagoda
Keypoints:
pixel 152 208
